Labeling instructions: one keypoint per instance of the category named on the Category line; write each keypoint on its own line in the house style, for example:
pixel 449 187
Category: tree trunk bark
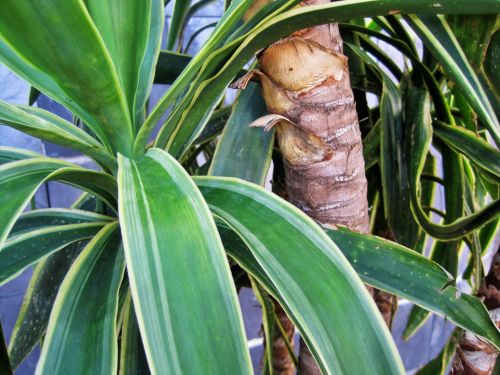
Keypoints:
pixel 475 356
pixel 305 83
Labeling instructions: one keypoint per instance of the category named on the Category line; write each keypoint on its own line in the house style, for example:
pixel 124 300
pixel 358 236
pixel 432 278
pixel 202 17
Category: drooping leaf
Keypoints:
pixel 39 298
pixel 55 46
pixel 317 288
pixel 470 145
pixel 132 33
pixel 398 270
pixel 439 39
pixel 491 65
pixel 243 151
pixel 25 249
pixel 44 125
pixel 81 335
pixel 48 217
pixel 20 180
pixel 416 319
pixel 171 240
pixel 48 275
pixel 473 34
pixel 457 226
pixel 9 154
pixel 387 266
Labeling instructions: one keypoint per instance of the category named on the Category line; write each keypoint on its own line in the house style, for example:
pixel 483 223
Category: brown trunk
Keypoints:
pixel 305 83
pixel 475 356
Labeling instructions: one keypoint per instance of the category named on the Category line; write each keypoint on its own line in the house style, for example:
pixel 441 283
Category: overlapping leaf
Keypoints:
pixel 56 47
pixel 132 33
pixel 316 286
pixel 171 241
pixel 81 336
pixel 20 180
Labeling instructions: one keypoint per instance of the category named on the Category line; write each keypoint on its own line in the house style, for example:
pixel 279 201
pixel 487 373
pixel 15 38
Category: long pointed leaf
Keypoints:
pixel 10 154
pixel 25 249
pixel 38 219
pixel 55 46
pixel 242 151
pixel 132 32
pixel 309 275
pixel 181 286
pixel 132 357
pixel 224 27
pixel 39 298
pixel 470 145
pixel 48 275
pixel 44 125
pixel 81 336
pixel 438 38
pixel 20 180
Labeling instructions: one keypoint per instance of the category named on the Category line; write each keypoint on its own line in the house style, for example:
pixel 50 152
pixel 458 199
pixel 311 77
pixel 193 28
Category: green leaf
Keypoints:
pixel 243 151
pixel 391 267
pixel 371 146
pixel 39 298
pixel 132 35
pixel 48 275
pixel 20 180
pixel 55 46
pixel 47 126
pixel 132 357
pixel 268 325
pixel 316 286
pixel 473 34
pixel 439 39
pixel 10 154
pixel 25 249
pixel 194 35
pixel 416 319
pixel 470 145
pixel 403 272
pixel 394 159
pixel 491 65
pixel 170 65
pixel 225 25
pixel 48 217
pixel 184 298
pixel 181 8
pixel 81 336
pixel 420 139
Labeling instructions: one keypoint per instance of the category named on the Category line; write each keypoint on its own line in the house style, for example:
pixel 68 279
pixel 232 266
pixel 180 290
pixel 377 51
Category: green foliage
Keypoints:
pixel 175 309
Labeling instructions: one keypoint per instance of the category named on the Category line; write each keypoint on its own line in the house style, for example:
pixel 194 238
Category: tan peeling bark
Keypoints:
pixel 305 83
pixel 475 356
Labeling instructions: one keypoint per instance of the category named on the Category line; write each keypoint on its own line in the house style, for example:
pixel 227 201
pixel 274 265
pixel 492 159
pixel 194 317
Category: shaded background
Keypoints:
pixel 417 351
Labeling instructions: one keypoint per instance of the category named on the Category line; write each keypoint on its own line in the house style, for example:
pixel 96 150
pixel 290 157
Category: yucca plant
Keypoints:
pixel 141 273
